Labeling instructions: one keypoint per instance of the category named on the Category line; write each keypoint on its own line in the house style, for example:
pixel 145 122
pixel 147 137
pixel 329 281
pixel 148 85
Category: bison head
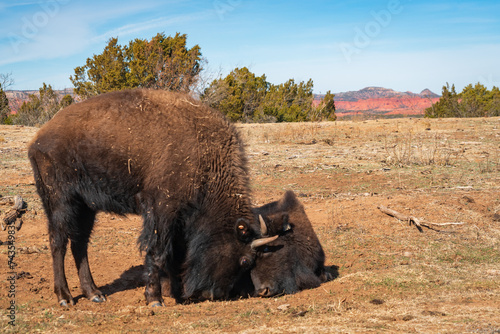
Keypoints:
pixel 295 260
pixel 212 271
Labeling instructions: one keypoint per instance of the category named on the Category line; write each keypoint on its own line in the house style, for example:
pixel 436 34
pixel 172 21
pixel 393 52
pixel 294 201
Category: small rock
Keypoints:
pixel 493 272
pixel 376 301
pixel 19 224
pixel 24 274
pixel 469 199
pixel 433 313
pixel 299 314
pixel 283 307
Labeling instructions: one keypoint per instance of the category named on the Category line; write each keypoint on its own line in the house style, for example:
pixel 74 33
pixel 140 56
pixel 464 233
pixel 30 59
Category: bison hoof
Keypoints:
pixel 98 299
pixel 64 303
pixel 155 304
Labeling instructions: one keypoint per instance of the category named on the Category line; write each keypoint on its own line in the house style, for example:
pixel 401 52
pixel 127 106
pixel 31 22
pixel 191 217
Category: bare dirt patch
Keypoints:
pixel 391 277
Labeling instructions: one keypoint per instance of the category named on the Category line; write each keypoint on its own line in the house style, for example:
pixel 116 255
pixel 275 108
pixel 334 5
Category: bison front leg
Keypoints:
pixel 89 289
pixel 153 285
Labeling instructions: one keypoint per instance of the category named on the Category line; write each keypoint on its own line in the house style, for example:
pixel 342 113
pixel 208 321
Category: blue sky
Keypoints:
pixel 342 45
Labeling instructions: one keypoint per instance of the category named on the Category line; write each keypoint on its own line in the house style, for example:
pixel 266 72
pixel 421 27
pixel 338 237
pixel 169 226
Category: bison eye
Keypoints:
pixel 243 230
pixel 245 262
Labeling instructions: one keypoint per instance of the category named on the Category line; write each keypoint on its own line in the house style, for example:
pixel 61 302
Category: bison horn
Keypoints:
pixel 263 227
pixel 263 241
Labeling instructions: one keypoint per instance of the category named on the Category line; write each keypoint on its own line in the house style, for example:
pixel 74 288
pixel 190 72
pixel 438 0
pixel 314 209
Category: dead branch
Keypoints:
pixel 13 216
pixel 419 223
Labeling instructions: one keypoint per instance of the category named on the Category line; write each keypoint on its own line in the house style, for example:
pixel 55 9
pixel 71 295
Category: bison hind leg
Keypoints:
pixel 72 220
pixel 57 211
pixel 83 223
pixel 58 247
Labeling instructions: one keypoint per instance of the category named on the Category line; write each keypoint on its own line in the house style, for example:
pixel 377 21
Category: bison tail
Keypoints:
pixel 41 166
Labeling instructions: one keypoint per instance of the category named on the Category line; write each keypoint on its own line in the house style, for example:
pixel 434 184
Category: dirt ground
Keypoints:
pixel 390 276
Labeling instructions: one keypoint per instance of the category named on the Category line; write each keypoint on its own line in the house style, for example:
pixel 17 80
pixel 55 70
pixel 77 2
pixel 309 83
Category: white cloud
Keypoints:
pixel 136 28
pixel 59 37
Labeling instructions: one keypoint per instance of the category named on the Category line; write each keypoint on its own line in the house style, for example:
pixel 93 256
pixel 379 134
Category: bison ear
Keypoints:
pixel 286 226
pixel 289 201
pixel 243 230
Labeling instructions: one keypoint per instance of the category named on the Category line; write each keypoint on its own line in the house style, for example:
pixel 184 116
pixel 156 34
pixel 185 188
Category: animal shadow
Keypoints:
pixel 133 278
pixel 130 279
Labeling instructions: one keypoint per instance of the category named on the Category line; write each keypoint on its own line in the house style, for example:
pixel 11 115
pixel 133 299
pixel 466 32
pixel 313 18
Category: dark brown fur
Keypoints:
pixel 160 155
pixel 296 260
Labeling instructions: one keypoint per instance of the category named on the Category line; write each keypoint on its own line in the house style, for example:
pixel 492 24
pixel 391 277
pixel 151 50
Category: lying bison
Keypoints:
pixel 292 262
pixel 161 155
pixel 295 261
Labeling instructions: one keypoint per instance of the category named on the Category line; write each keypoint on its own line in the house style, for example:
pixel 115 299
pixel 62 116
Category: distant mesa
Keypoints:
pixel 380 93
pixel 428 93
pixel 379 101
pixel 23 95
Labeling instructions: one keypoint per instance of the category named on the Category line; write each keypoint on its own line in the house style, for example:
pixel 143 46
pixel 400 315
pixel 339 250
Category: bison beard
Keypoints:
pixel 160 155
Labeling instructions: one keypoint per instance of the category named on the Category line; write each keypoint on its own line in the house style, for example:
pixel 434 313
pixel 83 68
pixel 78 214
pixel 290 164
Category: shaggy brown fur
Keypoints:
pixel 164 156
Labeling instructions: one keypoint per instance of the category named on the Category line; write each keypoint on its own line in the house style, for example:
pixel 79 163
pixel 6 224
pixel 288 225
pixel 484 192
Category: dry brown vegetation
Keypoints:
pixel 391 277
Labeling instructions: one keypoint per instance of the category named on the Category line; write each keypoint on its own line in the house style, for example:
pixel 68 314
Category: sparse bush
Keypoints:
pixel 40 108
pixel 244 97
pixel 473 101
pixel 164 62
pixel 4 107
pixel 5 82
pixel 325 111
pixel 423 151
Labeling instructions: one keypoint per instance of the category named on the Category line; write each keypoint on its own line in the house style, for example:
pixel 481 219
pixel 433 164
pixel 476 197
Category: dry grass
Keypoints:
pixel 392 278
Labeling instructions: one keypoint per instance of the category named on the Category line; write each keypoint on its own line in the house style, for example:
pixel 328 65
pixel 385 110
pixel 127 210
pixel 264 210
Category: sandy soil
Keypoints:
pixel 391 277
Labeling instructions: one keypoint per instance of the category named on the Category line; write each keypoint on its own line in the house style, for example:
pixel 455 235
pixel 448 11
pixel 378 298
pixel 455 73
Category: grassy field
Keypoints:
pixel 391 277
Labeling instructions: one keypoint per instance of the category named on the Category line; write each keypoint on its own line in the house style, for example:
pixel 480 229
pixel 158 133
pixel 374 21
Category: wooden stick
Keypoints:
pixel 14 214
pixel 410 219
pixel 400 216
pixel 18 203
pixel 445 224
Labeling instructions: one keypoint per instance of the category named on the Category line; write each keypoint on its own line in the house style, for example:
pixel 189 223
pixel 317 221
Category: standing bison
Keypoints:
pixel 161 155
pixel 295 261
